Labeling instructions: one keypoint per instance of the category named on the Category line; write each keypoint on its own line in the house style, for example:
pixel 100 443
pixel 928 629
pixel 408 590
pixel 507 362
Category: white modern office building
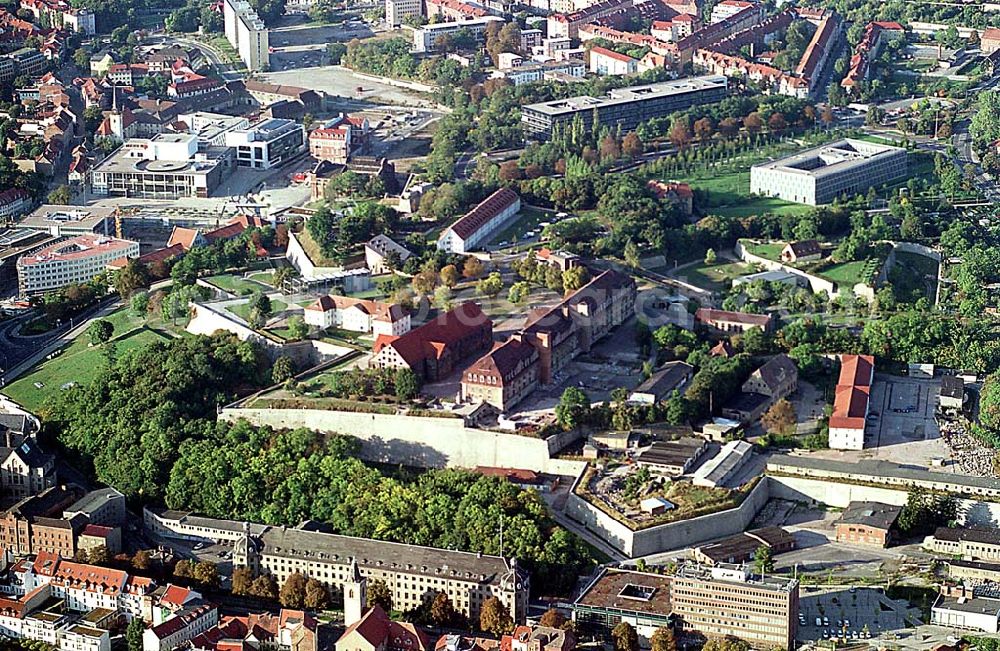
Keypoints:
pixel 819 175
pixel 425 38
pixel 247 33
pixel 75 260
pixel 397 10
pixel 166 166
pixel 268 143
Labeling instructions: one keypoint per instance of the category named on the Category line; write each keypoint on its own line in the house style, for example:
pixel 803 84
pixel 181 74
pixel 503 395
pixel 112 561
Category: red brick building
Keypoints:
pixel 868 523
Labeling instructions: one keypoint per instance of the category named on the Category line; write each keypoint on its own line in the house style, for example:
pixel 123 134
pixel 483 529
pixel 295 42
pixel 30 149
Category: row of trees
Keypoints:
pixel 239 471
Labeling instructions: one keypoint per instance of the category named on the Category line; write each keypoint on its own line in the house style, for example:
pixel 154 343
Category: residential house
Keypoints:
pixel 801 251
pixel 376 632
pixel 777 378
pixel 608 62
pixel 384 255
pixel 358 315
pixel 673 192
pixel 289 630
pixel 14 202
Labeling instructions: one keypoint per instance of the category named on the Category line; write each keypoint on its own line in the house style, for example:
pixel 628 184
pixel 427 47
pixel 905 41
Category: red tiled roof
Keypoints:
pixel 434 337
pixel 486 210
pixel 175 595
pixel 182 236
pixel 75 248
pixel 709 315
pixel 990 34
pixel 96 531
pixel 611 54
pixel 850 404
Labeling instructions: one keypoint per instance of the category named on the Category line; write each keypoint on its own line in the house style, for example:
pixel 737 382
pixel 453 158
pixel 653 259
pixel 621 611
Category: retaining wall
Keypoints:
pixel 298 258
pixel 816 284
pixel 422 441
pixel 673 535
pixel 970 512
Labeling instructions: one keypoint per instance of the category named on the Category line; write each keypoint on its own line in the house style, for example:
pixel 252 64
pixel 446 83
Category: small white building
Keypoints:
pixel 975 613
pixel 608 62
pixel 381 247
pixel 358 315
pixel 482 223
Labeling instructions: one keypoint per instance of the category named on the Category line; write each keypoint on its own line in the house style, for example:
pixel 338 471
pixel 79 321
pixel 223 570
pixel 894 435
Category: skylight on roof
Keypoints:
pixel 637 592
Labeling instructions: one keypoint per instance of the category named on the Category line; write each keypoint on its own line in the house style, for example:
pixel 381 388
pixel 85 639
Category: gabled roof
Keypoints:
pixel 503 360
pixel 803 248
pixel 485 211
pixel 185 237
pixel 432 339
pixel 380 631
pixel 777 371
pixel 708 315
pixel 611 54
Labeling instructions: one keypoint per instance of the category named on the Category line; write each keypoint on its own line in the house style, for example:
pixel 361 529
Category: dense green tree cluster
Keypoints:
pixel 256 474
pixel 67 302
pixel 925 511
pixel 131 419
pixel 338 234
pixel 221 255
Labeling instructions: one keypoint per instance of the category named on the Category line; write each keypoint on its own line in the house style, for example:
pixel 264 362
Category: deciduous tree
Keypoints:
pixel 495 618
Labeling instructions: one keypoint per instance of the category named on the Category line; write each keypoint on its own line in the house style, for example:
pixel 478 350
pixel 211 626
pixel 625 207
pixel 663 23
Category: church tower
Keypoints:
pixel 355 594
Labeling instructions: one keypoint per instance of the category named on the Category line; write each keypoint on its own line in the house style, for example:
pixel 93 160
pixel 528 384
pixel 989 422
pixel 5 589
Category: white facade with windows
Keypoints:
pixel 76 260
pixel 269 143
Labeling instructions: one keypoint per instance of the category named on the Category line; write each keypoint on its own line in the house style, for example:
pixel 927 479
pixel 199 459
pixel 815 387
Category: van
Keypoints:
pixel 819 621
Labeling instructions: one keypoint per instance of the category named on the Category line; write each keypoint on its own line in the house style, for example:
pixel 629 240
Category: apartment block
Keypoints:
pixel 76 260
pixel 623 108
pixel 396 11
pixel 247 33
pixel 819 175
pixel 425 38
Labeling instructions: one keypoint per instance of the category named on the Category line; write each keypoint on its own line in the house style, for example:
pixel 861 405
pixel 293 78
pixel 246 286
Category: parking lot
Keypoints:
pixel 852 614
pixel 903 411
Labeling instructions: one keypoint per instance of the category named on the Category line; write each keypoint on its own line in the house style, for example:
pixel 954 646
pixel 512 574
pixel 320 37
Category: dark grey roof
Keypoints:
pixel 871 514
pixel 884 469
pixel 31 454
pixel 376 554
pixel 970 534
pixel 952 386
pixel 777 371
pixel 94 500
pixel 664 381
pixel 805 247
pixel 976 605
pixel 747 402
pixel 14 422
pixel 672 453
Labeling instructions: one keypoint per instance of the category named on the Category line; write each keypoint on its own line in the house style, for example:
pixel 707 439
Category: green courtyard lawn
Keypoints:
pixel 769 250
pixel 242 310
pixel 848 274
pixel 526 220
pixel 729 195
pixel 234 284
pixel 714 278
pixel 78 363
pixel 266 277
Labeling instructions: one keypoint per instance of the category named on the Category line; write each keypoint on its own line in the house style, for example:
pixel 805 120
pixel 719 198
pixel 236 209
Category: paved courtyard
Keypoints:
pixel 852 614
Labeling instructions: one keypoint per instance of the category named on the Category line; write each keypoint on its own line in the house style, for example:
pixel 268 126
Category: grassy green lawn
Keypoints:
pixel 79 364
pixel 728 195
pixel 235 284
pixel 769 250
pixel 526 220
pixel 848 274
pixel 374 294
pixel 266 277
pixel 243 309
pixel 715 278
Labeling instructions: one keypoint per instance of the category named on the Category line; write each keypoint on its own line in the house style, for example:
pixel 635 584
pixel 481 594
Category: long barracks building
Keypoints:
pixel 411 571
pixel 623 108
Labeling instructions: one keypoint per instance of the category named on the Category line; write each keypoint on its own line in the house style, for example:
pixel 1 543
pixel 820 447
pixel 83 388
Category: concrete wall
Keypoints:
pixel 816 284
pixel 296 255
pixel 971 512
pixel 422 441
pixel 206 320
pixel 673 535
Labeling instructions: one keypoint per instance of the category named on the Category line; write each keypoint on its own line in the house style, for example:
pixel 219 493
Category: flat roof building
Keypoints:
pixel 166 166
pixel 67 221
pixel 819 175
pixel 247 33
pixel 623 108
pixel 76 260
pixel 425 38
pixel 268 143
pixel 714 602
